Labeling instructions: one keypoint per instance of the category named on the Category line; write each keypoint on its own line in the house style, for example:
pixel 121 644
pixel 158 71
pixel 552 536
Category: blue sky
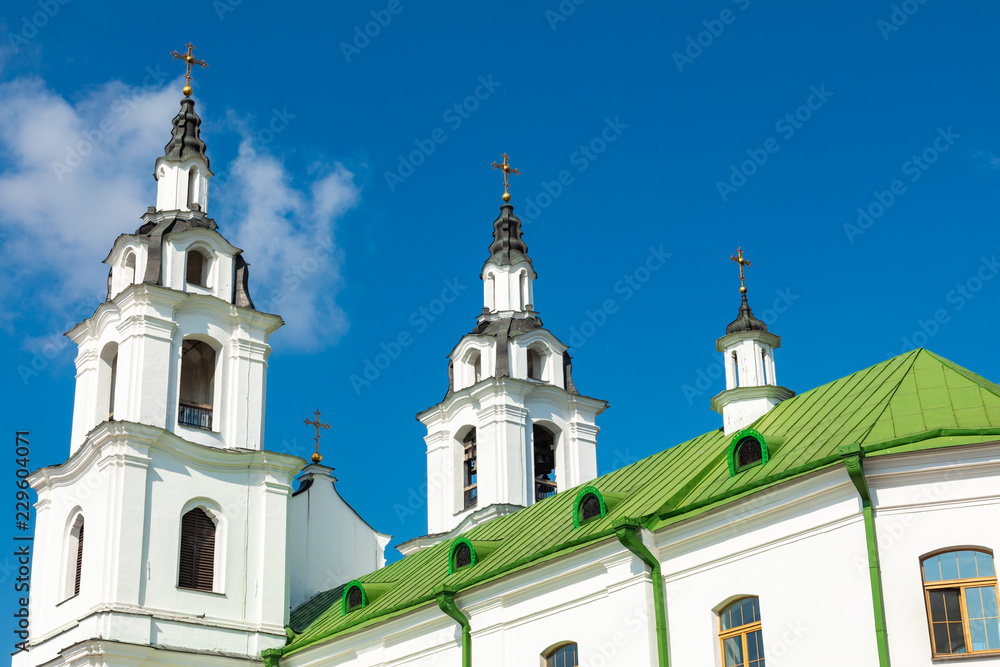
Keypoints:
pixel 851 149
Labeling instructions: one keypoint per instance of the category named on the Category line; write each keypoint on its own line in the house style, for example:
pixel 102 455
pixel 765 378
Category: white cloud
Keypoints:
pixel 77 173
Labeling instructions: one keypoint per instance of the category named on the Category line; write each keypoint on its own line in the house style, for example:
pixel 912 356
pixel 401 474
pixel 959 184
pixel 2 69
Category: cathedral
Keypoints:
pixel 853 523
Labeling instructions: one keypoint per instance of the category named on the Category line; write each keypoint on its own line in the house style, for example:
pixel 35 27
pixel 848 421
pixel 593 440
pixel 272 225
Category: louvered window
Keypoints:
pixel 197 551
pixel 79 560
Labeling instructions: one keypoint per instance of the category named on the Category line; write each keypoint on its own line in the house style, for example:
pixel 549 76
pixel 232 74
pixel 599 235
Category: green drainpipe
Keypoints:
pixel 446 600
pixel 852 456
pixel 627 531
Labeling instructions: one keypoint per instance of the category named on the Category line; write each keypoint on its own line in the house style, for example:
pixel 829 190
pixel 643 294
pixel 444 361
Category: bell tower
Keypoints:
pixel 512 429
pixel 748 356
pixel 167 524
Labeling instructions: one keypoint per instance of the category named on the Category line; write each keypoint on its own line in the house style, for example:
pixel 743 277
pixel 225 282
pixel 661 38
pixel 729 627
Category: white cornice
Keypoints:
pixel 765 337
pixel 129 443
pixel 774 392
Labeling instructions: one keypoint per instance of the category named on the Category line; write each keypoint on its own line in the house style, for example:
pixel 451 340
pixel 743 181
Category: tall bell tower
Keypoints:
pixel 167 525
pixel 512 429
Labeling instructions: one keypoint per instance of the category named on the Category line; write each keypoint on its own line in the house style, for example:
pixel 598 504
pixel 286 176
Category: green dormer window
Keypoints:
pixel 746 450
pixel 463 554
pixel 589 505
pixel 354 598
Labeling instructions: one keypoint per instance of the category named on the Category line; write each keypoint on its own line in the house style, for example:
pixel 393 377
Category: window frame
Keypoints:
pixel 550 653
pixel 961 584
pixel 742 631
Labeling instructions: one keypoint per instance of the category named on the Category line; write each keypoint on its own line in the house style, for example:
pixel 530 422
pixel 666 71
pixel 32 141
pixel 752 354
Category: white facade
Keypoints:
pixel 132 483
pixel 328 542
pixel 800 548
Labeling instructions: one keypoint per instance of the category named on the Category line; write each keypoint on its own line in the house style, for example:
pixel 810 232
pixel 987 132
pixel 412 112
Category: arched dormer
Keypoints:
pixel 196 398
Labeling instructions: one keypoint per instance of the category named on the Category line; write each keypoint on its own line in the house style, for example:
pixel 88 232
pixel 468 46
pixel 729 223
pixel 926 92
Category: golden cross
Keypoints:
pixel 738 258
pixel 317 457
pixel 507 170
pixel 190 60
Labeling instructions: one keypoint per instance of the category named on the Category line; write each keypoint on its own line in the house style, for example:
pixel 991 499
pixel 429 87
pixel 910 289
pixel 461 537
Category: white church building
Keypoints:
pixel 852 524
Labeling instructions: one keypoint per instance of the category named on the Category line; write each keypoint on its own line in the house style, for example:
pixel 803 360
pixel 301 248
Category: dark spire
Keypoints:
pixel 185 138
pixel 507 247
pixel 745 321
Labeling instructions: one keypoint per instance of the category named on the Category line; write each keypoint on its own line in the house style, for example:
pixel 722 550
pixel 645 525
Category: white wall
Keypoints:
pixel 328 542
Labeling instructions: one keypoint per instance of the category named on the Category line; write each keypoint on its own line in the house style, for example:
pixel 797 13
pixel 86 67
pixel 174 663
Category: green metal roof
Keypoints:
pixel 917 400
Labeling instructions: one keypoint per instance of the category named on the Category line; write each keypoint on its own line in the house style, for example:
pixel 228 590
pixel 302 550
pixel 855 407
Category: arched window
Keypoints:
pixel 354 597
pixel 128 276
pixel 960 591
pixel 763 365
pixel 192 187
pixel 197 384
pixel 736 370
pixel 535 364
pixel 740 634
pixel 489 292
pixel 523 289
pixel 74 559
pixel 564 655
pixel 107 378
pixel 197 268
pixel 543 446
pixel 197 562
pixel 477 368
pixel 747 448
pixel 470 488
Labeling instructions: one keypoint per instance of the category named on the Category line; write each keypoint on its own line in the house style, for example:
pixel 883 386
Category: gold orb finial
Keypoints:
pixel 743 289
pixel 317 457
pixel 506 196
pixel 187 90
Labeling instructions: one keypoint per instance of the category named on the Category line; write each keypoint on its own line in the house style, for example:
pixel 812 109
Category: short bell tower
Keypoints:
pixel 748 356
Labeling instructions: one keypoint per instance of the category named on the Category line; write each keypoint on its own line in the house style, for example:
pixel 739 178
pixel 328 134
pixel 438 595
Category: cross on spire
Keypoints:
pixel 739 259
pixel 189 59
pixel 507 171
pixel 317 457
